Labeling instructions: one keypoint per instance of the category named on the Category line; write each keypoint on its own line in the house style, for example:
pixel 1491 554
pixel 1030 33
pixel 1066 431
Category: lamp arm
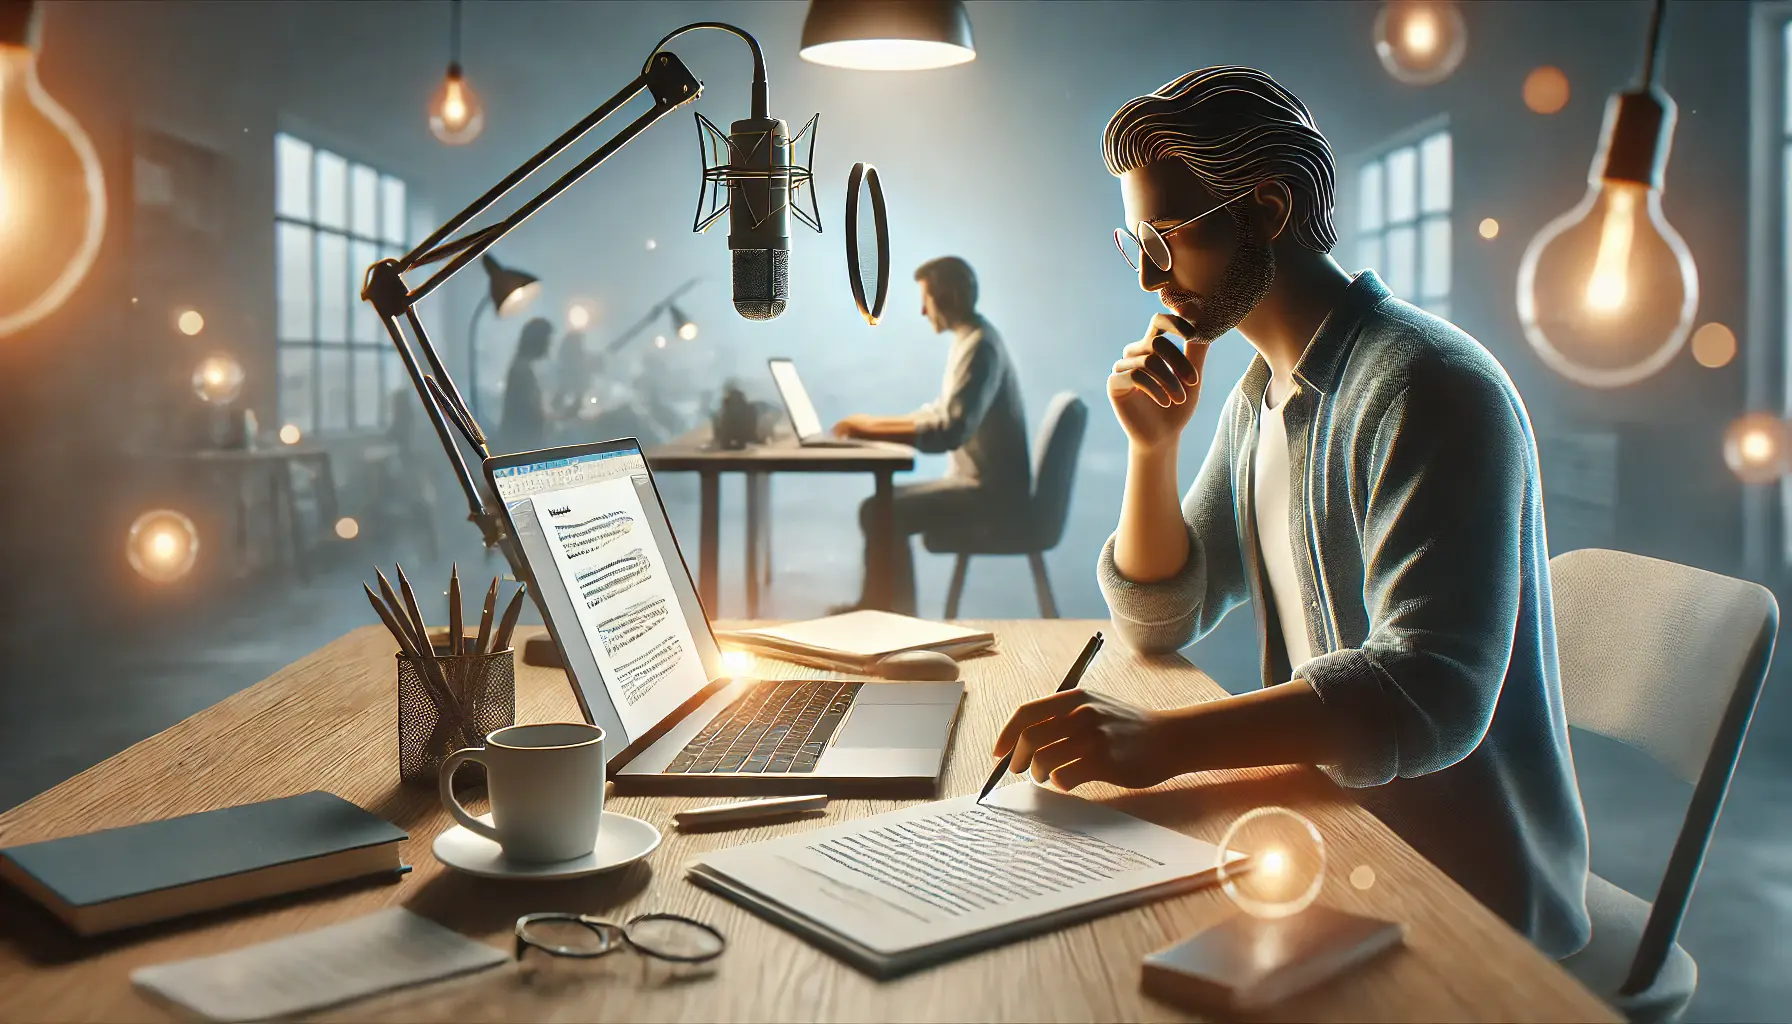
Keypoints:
pixel 479 308
pixel 672 85
pixel 653 314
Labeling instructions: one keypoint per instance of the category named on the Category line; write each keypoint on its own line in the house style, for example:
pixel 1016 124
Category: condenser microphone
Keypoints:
pixel 759 215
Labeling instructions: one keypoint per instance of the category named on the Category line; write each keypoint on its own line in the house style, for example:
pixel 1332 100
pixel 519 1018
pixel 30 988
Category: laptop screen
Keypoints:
pixel 609 576
pixel 796 399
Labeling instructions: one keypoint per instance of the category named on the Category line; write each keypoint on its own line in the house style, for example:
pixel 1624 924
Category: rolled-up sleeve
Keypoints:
pixel 1445 496
pixel 1169 614
pixel 948 421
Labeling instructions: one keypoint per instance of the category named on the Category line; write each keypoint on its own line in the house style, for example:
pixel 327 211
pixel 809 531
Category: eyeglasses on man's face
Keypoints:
pixel 1151 241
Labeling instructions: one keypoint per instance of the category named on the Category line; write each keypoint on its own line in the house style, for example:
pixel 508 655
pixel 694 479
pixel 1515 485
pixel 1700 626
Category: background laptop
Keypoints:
pixel 620 605
pixel 803 418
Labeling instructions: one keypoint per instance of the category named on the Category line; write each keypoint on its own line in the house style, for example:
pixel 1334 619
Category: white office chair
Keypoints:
pixel 1669 659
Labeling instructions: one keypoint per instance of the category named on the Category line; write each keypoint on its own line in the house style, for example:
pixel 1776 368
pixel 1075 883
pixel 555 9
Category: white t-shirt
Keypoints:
pixel 1269 494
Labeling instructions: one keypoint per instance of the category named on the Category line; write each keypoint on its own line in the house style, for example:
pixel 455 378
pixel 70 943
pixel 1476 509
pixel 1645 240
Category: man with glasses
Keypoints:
pixel 1372 491
pixel 978 418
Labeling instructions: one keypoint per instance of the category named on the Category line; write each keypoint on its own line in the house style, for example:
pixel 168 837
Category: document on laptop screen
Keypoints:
pixel 622 592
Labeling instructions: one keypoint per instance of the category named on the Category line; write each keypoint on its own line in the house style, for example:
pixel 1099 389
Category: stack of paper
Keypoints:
pixel 919 885
pixel 856 640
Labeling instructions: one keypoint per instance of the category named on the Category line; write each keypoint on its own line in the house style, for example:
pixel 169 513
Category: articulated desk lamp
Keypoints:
pixel 762 186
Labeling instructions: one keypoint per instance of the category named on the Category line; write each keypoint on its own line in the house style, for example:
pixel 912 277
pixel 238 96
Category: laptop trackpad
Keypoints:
pixel 896 726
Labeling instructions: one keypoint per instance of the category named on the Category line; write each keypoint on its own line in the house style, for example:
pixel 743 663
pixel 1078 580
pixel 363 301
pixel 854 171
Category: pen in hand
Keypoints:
pixel 1071 679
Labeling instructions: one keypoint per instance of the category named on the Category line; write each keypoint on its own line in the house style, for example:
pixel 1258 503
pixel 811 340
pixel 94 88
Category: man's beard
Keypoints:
pixel 1247 277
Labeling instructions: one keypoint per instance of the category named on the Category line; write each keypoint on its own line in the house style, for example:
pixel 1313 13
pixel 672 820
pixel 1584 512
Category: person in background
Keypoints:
pixel 978 418
pixel 1372 493
pixel 574 368
pixel 523 425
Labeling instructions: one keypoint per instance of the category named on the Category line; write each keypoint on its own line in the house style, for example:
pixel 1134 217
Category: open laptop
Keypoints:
pixel 644 664
pixel 803 418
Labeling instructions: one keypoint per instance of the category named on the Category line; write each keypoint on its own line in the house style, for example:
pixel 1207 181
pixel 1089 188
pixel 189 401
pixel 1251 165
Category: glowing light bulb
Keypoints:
pixel 218 380
pixel 290 434
pixel 1607 291
pixel 456 116
pixel 52 192
pixel 162 545
pixel 1420 42
pixel 1272 862
pixel 190 322
pixel 687 331
pixel 1421 33
pixel 1755 448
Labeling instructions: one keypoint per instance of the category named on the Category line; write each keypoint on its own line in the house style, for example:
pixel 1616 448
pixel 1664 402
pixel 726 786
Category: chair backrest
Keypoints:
pixel 1652 652
pixel 1669 659
pixel 1055 452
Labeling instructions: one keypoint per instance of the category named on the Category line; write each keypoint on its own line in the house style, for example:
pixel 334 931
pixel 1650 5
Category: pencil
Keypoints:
pixel 1071 679
pixel 456 628
pixel 406 642
pixel 506 627
pixel 426 659
pixel 485 618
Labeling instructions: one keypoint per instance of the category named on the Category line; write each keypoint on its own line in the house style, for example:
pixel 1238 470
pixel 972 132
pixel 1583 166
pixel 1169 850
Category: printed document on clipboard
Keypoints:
pixel 919 885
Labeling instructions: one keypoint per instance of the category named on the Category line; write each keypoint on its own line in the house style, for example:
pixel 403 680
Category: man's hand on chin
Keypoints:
pixel 1081 736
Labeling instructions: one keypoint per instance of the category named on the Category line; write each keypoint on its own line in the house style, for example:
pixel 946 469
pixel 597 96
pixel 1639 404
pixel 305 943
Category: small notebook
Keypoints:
pixel 919 885
pixel 1246 963
pixel 122 877
pixel 385 950
pixel 856 640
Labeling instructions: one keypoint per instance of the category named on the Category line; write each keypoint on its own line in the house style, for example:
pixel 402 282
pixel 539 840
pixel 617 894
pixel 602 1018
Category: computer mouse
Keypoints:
pixel 918 665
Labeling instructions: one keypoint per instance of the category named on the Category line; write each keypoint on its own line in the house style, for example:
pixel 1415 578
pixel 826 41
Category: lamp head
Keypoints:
pixel 684 326
pixel 511 289
pixel 887 35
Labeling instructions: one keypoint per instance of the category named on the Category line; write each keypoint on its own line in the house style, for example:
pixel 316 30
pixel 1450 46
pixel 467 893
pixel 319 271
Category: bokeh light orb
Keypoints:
pixel 347 528
pixel 1713 345
pixel 1546 90
pixel 1284 864
pixel 578 316
pixel 162 546
pixel 218 380
pixel 1490 228
pixel 1755 447
pixel 291 434
pixel 659 341
pixel 190 322
pixel 1420 42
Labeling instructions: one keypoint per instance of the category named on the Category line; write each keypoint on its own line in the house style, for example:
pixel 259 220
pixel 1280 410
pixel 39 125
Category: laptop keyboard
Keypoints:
pixel 775 728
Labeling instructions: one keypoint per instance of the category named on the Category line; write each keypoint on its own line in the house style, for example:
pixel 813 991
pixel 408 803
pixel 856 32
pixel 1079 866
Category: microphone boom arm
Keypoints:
pixel 671 85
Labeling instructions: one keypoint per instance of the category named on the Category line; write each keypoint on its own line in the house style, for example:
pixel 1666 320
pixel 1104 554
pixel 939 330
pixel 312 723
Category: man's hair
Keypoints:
pixel 953 285
pixel 1232 127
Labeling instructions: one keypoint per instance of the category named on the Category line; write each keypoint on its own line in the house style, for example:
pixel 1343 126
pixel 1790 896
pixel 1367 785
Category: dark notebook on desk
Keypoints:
pixel 123 877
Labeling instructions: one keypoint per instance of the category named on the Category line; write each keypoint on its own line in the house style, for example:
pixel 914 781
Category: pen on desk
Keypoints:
pixel 1071 679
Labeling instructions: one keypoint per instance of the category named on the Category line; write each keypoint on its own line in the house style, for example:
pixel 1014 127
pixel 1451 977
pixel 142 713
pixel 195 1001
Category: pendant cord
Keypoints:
pixel 1652 55
pixel 454 34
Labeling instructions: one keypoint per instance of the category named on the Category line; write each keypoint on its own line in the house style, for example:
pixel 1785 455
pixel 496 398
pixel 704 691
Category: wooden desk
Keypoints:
pixel 327 722
pixel 688 454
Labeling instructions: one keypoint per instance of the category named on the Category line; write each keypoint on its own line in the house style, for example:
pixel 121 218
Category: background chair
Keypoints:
pixel 1669 659
pixel 1055 451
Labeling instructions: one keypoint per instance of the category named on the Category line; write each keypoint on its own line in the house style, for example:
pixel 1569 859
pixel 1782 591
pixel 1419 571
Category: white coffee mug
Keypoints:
pixel 546 786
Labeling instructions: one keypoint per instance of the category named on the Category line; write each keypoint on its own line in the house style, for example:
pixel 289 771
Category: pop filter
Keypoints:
pixel 867 242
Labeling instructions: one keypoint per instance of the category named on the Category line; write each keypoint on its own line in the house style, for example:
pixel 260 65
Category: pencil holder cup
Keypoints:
pixel 485 687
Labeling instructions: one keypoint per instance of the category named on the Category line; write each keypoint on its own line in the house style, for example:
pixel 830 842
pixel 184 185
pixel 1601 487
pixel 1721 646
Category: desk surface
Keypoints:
pixel 781 454
pixel 327 722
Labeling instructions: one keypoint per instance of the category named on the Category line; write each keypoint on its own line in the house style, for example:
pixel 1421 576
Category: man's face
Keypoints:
pixel 935 318
pixel 1220 266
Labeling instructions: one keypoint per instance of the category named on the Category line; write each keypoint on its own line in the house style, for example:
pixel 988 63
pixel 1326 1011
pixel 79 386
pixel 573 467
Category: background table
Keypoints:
pixel 236 471
pixel 781 454
pixel 327 722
